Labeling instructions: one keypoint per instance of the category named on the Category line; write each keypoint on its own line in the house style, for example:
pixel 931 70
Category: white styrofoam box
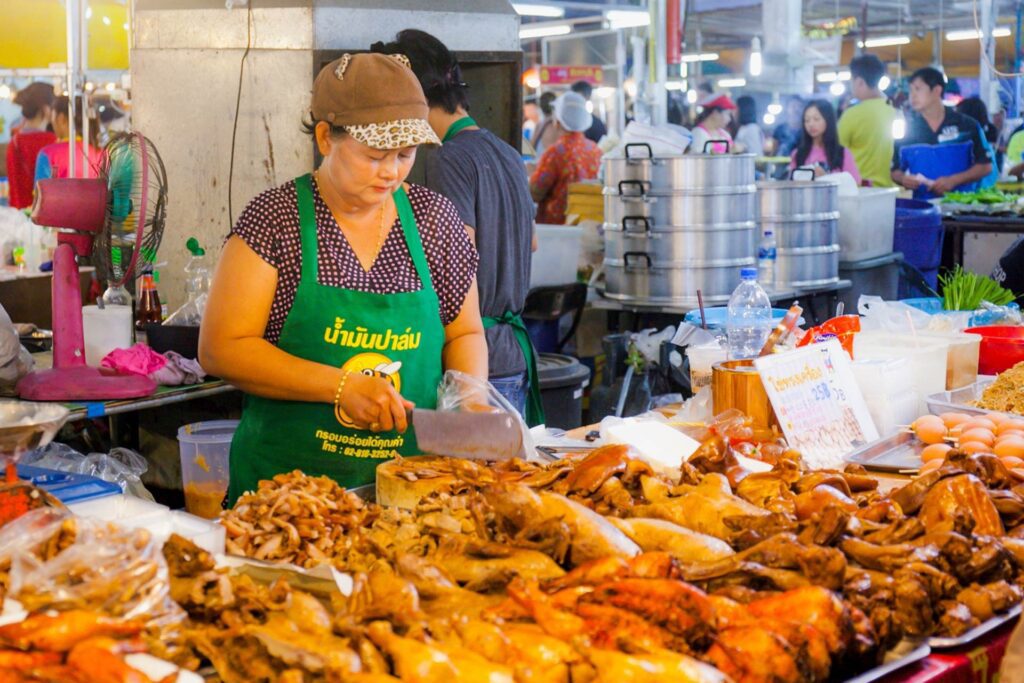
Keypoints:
pixel 867 223
pixel 159 520
pixel 927 359
pixel 558 255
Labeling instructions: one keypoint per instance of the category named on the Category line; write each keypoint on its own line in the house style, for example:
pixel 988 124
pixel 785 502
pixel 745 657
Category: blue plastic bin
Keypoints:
pixel 929 304
pixel 936 161
pixel 718 316
pixel 919 234
pixel 67 487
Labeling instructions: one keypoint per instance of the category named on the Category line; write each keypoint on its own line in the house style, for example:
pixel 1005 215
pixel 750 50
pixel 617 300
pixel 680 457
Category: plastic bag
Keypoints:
pixel 121 466
pixel 120 572
pixel 459 391
pixel 15 360
pixel 991 314
pixel 900 318
pixel 190 314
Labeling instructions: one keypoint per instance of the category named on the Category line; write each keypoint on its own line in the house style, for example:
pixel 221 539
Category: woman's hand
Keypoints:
pixel 372 403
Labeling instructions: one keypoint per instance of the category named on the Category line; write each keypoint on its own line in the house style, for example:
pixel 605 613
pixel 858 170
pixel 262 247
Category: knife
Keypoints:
pixel 470 435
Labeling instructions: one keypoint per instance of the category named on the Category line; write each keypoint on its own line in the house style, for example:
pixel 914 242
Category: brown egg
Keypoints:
pixel 1012 462
pixel 1009 446
pixel 953 419
pixel 979 422
pixel 984 436
pixel 930 466
pixel 973 447
pixel 936 451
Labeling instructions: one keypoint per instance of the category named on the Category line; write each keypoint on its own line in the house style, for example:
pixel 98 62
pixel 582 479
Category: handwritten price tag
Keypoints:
pixel 818 402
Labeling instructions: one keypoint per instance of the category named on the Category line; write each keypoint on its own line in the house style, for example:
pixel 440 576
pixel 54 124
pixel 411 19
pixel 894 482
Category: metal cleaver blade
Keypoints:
pixel 471 435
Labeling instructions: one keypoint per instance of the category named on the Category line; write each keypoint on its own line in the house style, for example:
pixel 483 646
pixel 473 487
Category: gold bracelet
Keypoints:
pixel 341 387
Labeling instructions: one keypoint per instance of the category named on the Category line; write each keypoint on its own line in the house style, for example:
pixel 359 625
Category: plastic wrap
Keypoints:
pixel 121 466
pixel 991 314
pixel 461 392
pixel 120 572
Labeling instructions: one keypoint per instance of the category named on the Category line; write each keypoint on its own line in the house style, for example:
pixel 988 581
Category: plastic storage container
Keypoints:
pixel 702 358
pixel 927 359
pixel 1002 347
pixel 878 276
pixel 962 358
pixel 887 386
pixel 66 487
pixel 867 222
pixel 562 380
pixel 918 235
pixel 557 258
pixel 205 472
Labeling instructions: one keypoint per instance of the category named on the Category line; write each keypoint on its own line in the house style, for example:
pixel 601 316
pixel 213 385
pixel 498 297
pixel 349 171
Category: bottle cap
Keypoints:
pixel 156 276
pixel 193 246
pixel 748 273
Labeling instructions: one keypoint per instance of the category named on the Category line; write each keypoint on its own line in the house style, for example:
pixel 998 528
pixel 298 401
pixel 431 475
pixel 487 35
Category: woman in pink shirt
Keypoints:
pixel 819 145
pixel 54 159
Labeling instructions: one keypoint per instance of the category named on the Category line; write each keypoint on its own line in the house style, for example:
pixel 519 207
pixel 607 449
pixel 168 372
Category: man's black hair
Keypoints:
pixel 930 76
pixel 583 88
pixel 434 65
pixel 868 67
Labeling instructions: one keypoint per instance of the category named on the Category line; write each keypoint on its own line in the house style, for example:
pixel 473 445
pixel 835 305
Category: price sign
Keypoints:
pixel 818 402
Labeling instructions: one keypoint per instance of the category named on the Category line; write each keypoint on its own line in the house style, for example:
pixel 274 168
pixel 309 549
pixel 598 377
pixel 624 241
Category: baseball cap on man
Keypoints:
pixel 571 111
pixel 376 98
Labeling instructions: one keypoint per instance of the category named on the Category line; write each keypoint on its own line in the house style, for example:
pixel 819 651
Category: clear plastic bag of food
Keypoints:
pixel 121 466
pixel 991 314
pixel 119 572
pixel 459 392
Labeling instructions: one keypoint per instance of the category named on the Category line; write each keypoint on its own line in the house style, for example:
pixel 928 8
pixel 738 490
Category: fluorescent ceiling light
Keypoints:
pixel 775 108
pixel 972 34
pixel 675 85
pixel 837 88
pixel 544 31
pixel 768 118
pixel 532 10
pixel 691 96
pixel 756 64
pixel 604 91
pixel 884 41
pixel 702 57
pixel 624 18
pixel 732 82
pixel 827 77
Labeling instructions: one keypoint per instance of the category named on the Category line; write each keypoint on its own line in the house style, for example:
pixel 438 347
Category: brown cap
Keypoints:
pixel 376 98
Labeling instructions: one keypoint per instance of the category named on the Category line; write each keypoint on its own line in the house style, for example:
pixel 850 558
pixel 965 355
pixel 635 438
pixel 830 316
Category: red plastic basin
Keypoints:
pixel 1002 347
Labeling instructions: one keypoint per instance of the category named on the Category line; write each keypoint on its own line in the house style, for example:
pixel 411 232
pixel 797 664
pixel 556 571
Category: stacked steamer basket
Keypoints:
pixel 676 224
pixel 804 215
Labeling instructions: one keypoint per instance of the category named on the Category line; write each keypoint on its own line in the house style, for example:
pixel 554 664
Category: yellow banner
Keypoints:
pixel 33 36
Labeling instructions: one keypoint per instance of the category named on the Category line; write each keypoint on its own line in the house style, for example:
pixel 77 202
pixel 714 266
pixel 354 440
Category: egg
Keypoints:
pixel 980 434
pixel 1018 472
pixel 1010 447
pixel 979 423
pixel 929 429
pixel 1010 426
pixel 930 466
pixel 997 418
pixel 974 447
pixel 1011 462
pixel 953 419
pixel 936 451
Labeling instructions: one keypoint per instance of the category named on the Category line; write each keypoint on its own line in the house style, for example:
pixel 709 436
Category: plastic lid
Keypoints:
pixel 748 273
pixel 193 246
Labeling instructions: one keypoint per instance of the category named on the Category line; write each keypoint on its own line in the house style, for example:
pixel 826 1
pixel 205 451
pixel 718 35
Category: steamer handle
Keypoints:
pixel 805 169
pixel 626 220
pixel 640 184
pixel 710 143
pixel 636 254
pixel 641 145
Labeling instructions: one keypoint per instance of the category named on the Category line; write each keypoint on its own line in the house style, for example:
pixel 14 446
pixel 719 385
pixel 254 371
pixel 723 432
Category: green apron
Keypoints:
pixel 399 337
pixel 534 408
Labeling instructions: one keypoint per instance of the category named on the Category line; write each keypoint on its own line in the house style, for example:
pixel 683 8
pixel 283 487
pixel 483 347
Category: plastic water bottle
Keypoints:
pixel 750 317
pixel 766 255
pixel 197 272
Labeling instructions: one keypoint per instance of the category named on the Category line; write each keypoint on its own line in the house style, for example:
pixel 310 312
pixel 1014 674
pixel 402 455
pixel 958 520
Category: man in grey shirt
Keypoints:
pixel 486 180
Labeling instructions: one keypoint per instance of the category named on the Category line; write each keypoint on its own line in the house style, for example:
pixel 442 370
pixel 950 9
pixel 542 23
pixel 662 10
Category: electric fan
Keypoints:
pixel 123 210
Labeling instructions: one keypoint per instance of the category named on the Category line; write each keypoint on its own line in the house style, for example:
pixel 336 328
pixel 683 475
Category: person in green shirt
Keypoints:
pixel 866 128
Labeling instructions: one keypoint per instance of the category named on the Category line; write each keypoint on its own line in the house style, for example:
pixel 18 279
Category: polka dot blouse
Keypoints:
pixel 269 225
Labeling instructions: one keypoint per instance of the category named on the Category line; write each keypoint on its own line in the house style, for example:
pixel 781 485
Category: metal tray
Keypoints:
pixel 904 654
pixel 958 400
pixel 976 632
pixel 900 453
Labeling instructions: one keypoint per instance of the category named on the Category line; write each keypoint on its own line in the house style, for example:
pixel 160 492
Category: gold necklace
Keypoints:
pixel 381 233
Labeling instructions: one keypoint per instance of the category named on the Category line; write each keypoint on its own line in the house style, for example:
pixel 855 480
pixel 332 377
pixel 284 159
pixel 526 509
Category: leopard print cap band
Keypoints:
pixel 395 134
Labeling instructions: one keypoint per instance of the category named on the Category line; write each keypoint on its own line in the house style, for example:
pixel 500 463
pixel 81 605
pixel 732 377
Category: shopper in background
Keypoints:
pixel 976 109
pixel 54 160
pixel 27 138
pixel 531 117
pixel 484 177
pixel 819 144
pixel 597 129
pixel 787 134
pixel 711 126
pixel 936 125
pixel 572 159
pixel 546 134
pixel 865 129
pixel 749 137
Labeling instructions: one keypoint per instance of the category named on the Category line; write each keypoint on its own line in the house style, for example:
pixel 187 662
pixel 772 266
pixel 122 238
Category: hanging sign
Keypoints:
pixel 567 75
pixel 818 403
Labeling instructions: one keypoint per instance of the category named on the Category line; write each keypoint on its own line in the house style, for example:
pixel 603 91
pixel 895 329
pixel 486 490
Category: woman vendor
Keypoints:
pixel 343 296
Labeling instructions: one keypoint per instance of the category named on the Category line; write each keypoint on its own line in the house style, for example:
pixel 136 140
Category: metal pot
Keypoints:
pixel 679 172
pixel 708 208
pixel 677 245
pixel 798 200
pixel 636 277
pixel 807 267
pixel 797 234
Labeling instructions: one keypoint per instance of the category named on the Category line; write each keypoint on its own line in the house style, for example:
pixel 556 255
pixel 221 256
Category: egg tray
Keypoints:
pixel 899 453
